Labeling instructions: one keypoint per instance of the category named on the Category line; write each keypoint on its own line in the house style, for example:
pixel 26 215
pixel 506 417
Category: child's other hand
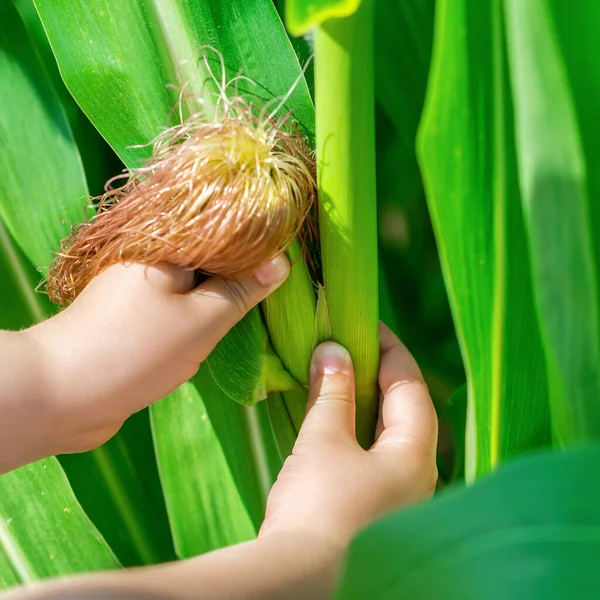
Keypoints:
pixel 132 337
pixel 330 486
pixel 327 490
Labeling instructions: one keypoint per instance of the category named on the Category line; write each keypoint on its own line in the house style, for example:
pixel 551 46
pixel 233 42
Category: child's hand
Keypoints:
pixel 133 336
pixel 330 486
pixel 328 489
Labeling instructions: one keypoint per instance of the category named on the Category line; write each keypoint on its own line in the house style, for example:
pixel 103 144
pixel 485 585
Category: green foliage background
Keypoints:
pixel 487 178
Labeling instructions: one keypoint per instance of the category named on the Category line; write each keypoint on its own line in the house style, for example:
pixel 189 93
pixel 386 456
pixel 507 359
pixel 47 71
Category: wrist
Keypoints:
pixel 299 540
pixel 306 558
pixel 44 404
pixel 72 422
pixel 27 424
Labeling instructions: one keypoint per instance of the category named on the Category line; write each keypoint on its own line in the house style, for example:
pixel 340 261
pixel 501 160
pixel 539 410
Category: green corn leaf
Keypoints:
pixel 31 121
pixel 302 15
pixel 154 45
pixel 347 199
pixel 247 441
pixel 295 404
pixel 204 505
pixel 467 155
pixel 44 184
pixel 237 361
pixel 113 484
pixel 455 413
pixel 49 533
pixel 31 544
pixel 244 376
pixel 283 427
pixel 97 157
pixel 19 304
pixel 9 576
pixel 302 46
pixel 556 204
pixel 265 442
pixel 118 485
pixel 530 530
pixel 115 75
pixel 575 35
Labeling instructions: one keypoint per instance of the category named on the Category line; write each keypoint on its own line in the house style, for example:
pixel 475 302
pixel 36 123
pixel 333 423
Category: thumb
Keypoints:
pixel 148 330
pixel 331 409
pixel 220 303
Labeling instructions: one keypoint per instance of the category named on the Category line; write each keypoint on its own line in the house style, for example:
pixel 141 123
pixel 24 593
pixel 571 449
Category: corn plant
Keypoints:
pixel 455 148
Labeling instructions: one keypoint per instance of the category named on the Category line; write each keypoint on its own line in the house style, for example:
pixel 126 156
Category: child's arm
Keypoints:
pixel 328 489
pixel 134 335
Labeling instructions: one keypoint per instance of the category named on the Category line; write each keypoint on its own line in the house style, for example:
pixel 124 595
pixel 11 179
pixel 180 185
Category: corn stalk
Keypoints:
pixel 345 130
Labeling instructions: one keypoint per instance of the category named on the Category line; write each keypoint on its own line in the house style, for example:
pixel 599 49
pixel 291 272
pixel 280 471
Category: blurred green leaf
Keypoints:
pixel 403 40
pixel 575 34
pixel 467 155
pixel 530 530
pixel 36 194
pixel 556 205
pixel 408 255
pixel 43 530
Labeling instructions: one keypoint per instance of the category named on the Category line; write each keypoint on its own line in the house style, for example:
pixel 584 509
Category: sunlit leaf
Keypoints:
pixel 204 504
pixel 43 530
pixel 556 205
pixel 128 53
pixel 33 123
pixel 467 155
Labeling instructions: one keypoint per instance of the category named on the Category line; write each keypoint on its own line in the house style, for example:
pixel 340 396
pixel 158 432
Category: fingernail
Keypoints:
pixel 273 272
pixel 329 358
